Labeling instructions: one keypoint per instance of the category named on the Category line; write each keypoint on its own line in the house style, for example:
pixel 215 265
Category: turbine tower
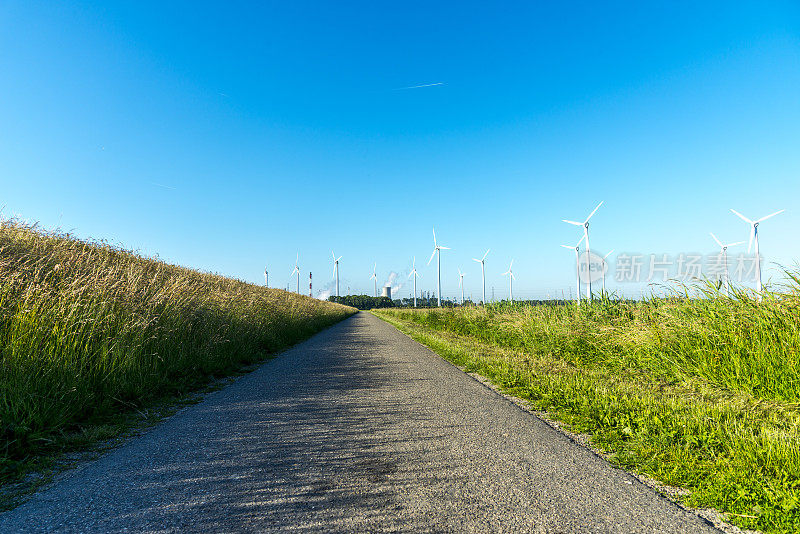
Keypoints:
pixel 723 250
pixel 266 277
pixel 754 236
pixel 336 270
pixel 461 284
pixel 577 249
pixel 482 261
pixel 297 270
pixel 414 274
pixel 438 249
pixel 585 225
pixel 375 277
pixel 604 269
pixel 510 281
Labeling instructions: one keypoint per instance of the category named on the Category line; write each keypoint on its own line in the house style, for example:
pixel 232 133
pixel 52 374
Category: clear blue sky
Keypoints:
pixel 224 136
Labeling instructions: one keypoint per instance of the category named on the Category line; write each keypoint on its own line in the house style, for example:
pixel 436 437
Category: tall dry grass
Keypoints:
pixel 88 330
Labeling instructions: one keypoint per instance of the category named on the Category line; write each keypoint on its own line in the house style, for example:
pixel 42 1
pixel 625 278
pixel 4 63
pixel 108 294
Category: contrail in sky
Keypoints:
pixel 418 86
pixel 164 186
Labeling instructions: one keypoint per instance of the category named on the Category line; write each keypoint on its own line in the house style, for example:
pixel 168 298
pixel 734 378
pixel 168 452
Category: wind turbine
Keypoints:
pixel 482 261
pixel 414 274
pixel 438 248
pixel 266 277
pixel 375 277
pixel 336 270
pixel 510 281
pixel 604 269
pixel 577 249
pixel 585 225
pixel 461 284
pixel 723 249
pixel 297 270
pixel 754 236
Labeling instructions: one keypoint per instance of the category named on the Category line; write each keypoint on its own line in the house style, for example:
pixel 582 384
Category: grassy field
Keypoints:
pixel 89 332
pixel 701 394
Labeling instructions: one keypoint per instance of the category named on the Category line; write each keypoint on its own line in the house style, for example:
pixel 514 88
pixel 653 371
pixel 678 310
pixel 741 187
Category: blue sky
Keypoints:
pixel 225 136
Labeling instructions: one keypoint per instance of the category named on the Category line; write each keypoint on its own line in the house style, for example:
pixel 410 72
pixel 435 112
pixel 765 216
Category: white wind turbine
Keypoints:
pixel 297 270
pixel 414 274
pixel 754 236
pixel 585 225
pixel 438 249
pixel 604 269
pixel 482 261
pixel 577 249
pixel 375 277
pixel 510 281
pixel 266 277
pixel 723 250
pixel 461 284
pixel 336 270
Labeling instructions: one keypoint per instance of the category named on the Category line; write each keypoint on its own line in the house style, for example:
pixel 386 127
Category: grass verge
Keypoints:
pixel 687 412
pixel 92 335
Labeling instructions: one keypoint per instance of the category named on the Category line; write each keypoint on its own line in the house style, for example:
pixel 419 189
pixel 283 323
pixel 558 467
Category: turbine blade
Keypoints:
pixel 513 277
pixel 510 265
pixel 572 222
pixel 752 235
pixel 434 237
pixel 715 239
pixel 432 255
pixel 487 253
pixel 443 248
pixel 593 212
pixel 768 216
pixel 609 253
pixel 581 241
pixel 734 244
pixel 567 246
pixel 745 219
pixel 476 259
pixel 339 258
pixel 334 255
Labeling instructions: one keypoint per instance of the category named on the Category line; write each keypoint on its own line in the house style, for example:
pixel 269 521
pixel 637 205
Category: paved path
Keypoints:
pixel 359 429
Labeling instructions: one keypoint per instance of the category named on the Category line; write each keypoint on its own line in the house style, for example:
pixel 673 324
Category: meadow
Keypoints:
pixel 90 332
pixel 700 394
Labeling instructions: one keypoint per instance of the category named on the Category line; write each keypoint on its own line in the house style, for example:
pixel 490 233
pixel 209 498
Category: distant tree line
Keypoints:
pixel 366 302
pixel 363 302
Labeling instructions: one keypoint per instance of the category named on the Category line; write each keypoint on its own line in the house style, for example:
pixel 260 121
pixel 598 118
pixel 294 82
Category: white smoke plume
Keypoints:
pixel 393 283
pixel 327 290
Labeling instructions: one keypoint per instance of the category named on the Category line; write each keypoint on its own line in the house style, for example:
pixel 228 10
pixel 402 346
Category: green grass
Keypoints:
pixel 90 333
pixel 700 394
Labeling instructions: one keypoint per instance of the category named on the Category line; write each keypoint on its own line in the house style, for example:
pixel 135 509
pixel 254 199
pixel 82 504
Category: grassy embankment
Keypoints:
pixel 702 394
pixel 89 332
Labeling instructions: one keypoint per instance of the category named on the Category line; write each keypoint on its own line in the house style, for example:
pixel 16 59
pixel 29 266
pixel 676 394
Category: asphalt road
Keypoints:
pixel 359 429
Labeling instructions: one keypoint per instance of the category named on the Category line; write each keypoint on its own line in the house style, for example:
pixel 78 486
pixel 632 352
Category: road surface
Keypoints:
pixel 358 429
